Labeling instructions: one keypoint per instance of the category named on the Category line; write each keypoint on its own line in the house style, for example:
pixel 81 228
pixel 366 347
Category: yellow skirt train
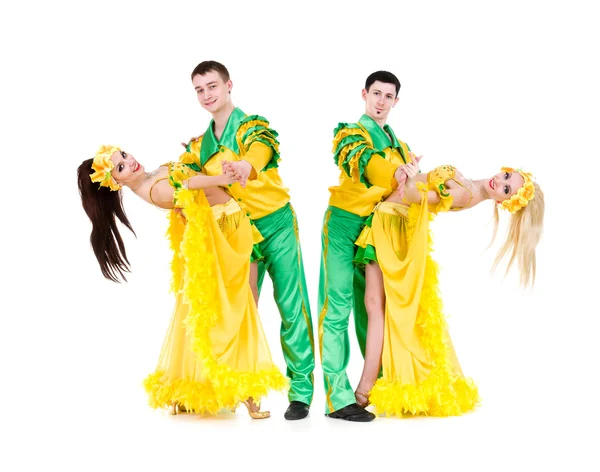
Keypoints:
pixel 215 353
pixel 420 371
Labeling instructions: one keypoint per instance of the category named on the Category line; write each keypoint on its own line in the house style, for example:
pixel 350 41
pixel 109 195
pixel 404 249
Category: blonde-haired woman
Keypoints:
pixel 407 338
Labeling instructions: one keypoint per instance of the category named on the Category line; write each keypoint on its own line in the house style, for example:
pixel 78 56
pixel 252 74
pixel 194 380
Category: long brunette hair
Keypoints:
pixel 101 206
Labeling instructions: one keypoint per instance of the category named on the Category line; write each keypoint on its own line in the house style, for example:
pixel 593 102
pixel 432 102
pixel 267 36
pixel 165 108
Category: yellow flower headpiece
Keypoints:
pixel 102 166
pixel 523 196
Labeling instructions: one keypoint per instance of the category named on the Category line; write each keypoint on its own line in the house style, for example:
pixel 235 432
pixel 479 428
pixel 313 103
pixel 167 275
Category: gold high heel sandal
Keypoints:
pixel 365 396
pixel 254 410
pixel 177 408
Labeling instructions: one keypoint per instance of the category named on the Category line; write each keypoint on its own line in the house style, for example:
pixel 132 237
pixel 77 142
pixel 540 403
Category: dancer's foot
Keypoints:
pixel 254 410
pixel 296 411
pixel 362 399
pixel 353 412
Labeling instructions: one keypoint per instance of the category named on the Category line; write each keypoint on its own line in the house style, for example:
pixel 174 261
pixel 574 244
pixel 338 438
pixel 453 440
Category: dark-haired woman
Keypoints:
pixel 215 353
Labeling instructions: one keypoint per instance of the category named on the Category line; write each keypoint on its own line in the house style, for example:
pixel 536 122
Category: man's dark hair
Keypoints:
pixel 385 77
pixel 208 66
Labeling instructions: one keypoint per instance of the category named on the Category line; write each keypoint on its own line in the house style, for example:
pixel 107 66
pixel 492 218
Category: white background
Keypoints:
pixel 484 84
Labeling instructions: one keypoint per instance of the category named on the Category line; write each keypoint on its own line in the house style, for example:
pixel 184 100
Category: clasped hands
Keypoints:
pixel 406 173
pixel 237 171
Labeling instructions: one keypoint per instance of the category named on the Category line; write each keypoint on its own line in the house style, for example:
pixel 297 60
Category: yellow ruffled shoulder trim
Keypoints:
pixel 348 152
pixel 261 129
pixel 346 131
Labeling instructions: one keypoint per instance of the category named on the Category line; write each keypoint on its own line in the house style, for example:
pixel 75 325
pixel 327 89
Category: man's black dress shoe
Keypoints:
pixel 296 411
pixel 353 412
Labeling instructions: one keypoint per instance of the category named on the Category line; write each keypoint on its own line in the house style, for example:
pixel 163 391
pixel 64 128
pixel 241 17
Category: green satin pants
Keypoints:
pixel 341 289
pixel 283 261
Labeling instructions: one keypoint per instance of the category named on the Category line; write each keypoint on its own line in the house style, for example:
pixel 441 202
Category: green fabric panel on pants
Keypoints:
pixel 337 295
pixel 361 319
pixel 283 261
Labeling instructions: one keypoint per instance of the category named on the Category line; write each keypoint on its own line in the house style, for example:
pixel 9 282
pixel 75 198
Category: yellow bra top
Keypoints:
pixel 436 181
pixel 178 172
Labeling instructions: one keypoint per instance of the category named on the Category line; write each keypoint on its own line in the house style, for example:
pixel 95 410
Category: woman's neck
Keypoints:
pixel 137 185
pixel 480 193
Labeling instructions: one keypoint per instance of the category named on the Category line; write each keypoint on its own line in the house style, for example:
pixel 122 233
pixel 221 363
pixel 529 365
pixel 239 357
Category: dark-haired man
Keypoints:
pixel 370 158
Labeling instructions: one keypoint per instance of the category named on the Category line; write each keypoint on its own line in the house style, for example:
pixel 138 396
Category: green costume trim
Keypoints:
pixel 365 255
pixel 380 137
pixel 256 254
pixel 210 143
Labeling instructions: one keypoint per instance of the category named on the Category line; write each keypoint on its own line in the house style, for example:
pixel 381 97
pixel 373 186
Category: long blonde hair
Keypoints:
pixel 523 235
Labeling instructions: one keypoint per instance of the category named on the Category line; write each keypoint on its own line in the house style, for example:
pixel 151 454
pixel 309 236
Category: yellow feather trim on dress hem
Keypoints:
pixel 443 393
pixel 197 397
pixel 203 397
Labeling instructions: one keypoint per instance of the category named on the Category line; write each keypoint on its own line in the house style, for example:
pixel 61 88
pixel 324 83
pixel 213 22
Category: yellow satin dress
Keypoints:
pixel 215 353
pixel 421 374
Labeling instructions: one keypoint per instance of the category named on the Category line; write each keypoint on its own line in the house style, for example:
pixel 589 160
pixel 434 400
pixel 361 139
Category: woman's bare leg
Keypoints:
pixel 375 304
